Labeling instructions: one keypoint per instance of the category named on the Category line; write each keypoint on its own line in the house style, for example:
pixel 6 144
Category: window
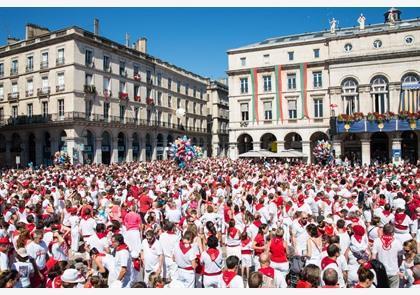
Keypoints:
pixel 169 83
pixel 14 68
pixel 137 90
pixel 194 107
pixel 266 58
pixel 60 56
pixel 201 109
pixel 107 84
pixel 159 79
pixel 292 106
pixel 349 90
pixel 122 87
pixel 186 106
pixel 409 40
pixel 291 55
pixel 178 86
pixel 268 112
pixel 45 109
pixel 61 108
pixel 122 69
pixel 136 114
pixel 107 63
pixel 267 83
pixel 316 53
pixel 244 85
pixel 187 89
pixel 317 79
pixel 169 101
pixel 178 103
pixel 88 79
pixel 201 93
pixel 1 91
pixel 88 57
pixel 379 91
pixel 194 91
pixel 1 114
pixel 122 112
pixel 136 70
pixel 29 63
pixel 348 47
pixel 15 87
pixel 14 112
pixel 60 81
pixel 44 60
pixel 30 87
pixel 159 98
pixel 377 44
pixel 291 81
pixel 318 108
pixel 159 117
pixel 245 111
pixel 149 77
pixel 169 119
pixel 1 70
pixel 243 61
pixel 106 110
pixel 89 108
pixel 148 116
pixel 30 110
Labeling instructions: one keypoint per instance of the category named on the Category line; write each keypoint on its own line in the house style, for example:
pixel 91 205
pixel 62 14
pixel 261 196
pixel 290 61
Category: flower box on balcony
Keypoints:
pixel 137 77
pixel 45 91
pixel 90 89
pixel 137 98
pixel 123 95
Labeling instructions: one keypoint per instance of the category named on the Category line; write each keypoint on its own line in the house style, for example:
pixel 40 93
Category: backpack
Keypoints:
pixel 268 282
pixel 297 263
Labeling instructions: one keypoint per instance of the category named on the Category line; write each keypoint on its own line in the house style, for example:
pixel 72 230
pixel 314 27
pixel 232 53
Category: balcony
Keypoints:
pixel 44 92
pixel 150 81
pixel 137 77
pixel 29 93
pixel 123 95
pixel 89 89
pixel 59 61
pixel 13 96
pixel 123 73
pixel 244 124
pixel 107 93
pixel 59 88
pixel 90 64
pixel 107 68
pixel 43 65
pixel 137 98
pixel 29 68
pixel 14 72
pixel 150 101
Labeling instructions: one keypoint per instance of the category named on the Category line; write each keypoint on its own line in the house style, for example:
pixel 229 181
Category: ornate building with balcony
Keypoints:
pixel 287 92
pixel 100 101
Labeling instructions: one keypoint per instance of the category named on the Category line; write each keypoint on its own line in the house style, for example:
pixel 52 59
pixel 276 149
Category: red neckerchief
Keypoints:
pixel 21 209
pixel 327 261
pixel 101 254
pixel 57 282
pixel 349 205
pixel 257 223
pixel 327 201
pixel 300 203
pixel 387 241
pixel 228 276
pixel 232 232
pixel 245 242
pixel 382 202
pixel 136 264
pixel 183 248
pixel 416 282
pixel 122 247
pixel 303 284
pixel 213 253
pixel 288 207
pixel 85 217
pixel 399 218
pixel 358 286
pixel 268 271
pixel 300 222
pixel 102 235
pixel 258 206
pixel 386 212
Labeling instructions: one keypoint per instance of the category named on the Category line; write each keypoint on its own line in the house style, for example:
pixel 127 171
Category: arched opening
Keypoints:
pixel 352 148
pixel 350 98
pixel 136 147
pixel 62 145
pixel 159 147
pixel 409 146
pixel 245 143
pixel 149 151
pixel 194 141
pixel 121 147
pixel 201 143
pixel 269 142
pixel 317 136
pixel 379 150
pixel 2 150
pixel 16 149
pixel 379 93
pixel 106 148
pixel 32 149
pixel 410 93
pixel 88 147
pixel 293 141
pixel 46 149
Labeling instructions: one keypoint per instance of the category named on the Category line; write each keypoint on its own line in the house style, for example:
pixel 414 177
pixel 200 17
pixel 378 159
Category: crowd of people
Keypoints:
pixel 218 223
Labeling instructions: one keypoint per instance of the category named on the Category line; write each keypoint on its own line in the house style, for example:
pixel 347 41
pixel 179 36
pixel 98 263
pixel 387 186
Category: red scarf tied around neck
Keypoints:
pixel 122 247
pixel 232 232
pixel 327 261
pixel 183 248
pixel 268 271
pixel 228 276
pixel 213 253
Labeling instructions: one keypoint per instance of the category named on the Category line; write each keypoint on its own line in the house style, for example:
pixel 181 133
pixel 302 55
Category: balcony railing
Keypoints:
pixel 137 98
pixel 137 77
pixel 107 93
pixel 59 61
pixel 13 96
pixel 107 69
pixel 123 95
pixel 44 91
pixel 59 88
pixel 123 73
pixel 89 89
pixel 14 72
pixel 43 65
pixel 1 74
pixel 29 68
pixel 29 93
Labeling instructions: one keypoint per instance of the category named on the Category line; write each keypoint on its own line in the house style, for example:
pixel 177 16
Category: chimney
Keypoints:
pixel 141 45
pixel 33 31
pixel 96 26
pixel 127 40
pixel 12 40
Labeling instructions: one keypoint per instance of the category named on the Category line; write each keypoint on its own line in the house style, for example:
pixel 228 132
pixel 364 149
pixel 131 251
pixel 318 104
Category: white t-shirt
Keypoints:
pixel 25 270
pixel 123 259
pixel 88 227
pixel 4 261
pixel 38 252
pixel 151 255
pixel 168 243
pixel 236 282
pixel 389 256
pixel 301 237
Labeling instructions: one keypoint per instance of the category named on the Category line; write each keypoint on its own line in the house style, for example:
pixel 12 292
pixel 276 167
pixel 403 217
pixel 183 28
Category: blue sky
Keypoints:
pixel 193 38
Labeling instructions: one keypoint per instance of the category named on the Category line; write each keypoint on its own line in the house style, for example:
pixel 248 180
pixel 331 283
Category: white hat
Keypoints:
pixel 22 252
pixel 71 275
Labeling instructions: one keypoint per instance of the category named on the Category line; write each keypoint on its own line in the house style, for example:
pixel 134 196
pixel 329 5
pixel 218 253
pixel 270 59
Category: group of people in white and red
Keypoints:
pixel 216 224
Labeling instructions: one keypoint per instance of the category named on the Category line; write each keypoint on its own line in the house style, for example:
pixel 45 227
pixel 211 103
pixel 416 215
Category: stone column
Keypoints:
pixel 337 148
pixel 280 146
pixel 365 151
pixel 256 145
pixel 129 149
pixel 396 149
pixel 73 151
pixel 114 152
pixel 39 151
pixel 154 149
pixel 394 96
pixel 215 149
pixel 98 151
pixel 306 150
pixel 142 147
pixel 165 147
pixel 233 151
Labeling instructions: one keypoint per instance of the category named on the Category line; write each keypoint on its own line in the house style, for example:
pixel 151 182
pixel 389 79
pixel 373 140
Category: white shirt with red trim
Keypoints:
pixel 151 255
pixel 185 260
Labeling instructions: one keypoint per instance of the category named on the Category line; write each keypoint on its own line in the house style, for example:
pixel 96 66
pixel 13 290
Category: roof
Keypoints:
pixel 267 154
pixel 321 35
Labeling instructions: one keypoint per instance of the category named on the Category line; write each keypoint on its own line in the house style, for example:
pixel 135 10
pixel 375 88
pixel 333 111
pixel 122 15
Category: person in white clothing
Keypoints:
pixel 169 240
pixel 185 254
pixel 87 225
pixel 299 234
pixel 212 261
pixel 4 259
pixel 230 278
pixel 38 250
pixel 151 255
pixel 123 263
pixel 24 266
pixel 105 262
pixel 330 261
